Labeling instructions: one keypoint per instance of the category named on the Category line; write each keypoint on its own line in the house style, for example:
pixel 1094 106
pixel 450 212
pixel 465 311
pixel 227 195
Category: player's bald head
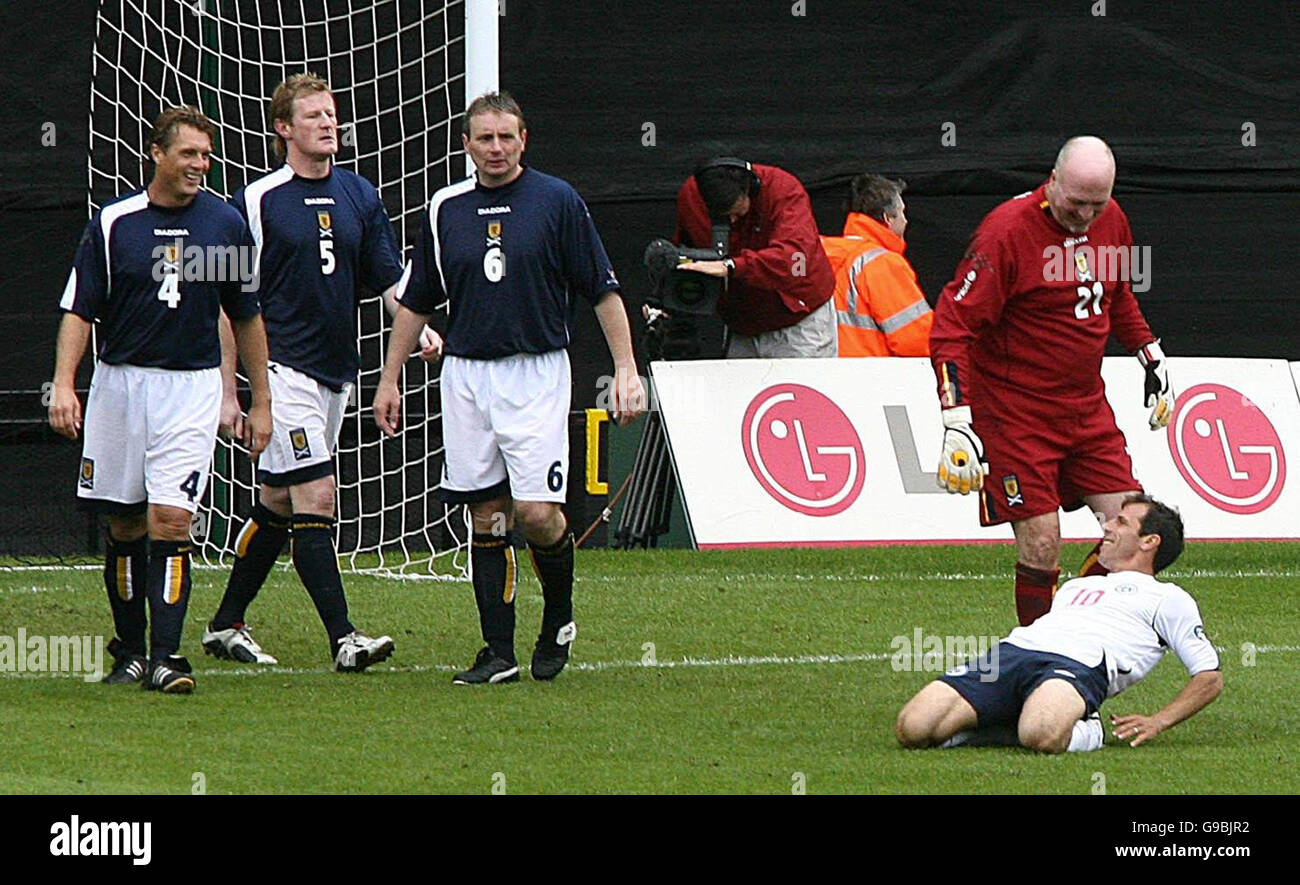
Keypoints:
pixel 1078 190
pixel 1087 162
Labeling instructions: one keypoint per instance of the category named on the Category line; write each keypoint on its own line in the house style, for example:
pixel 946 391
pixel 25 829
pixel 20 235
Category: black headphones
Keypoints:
pixel 735 163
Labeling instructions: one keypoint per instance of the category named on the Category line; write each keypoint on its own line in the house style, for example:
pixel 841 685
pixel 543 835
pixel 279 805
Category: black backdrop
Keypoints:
pixel 623 97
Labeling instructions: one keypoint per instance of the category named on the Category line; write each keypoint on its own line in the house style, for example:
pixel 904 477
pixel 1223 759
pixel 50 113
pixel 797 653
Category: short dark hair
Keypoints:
pixel 1162 520
pixel 164 128
pixel 722 186
pixel 294 87
pixel 875 195
pixel 501 102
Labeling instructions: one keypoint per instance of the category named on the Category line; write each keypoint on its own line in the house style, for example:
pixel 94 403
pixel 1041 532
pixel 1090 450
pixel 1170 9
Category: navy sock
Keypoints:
pixel 318 567
pixel 256 550
pixel 492 565
pixel 126 577
pixel 169 596
pixel 554 566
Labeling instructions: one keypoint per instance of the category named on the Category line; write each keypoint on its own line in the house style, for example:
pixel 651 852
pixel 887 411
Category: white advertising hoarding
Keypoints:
pixel 840 452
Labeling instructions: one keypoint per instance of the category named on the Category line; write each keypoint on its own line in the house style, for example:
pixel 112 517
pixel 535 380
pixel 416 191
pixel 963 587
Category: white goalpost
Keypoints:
pixel 402 72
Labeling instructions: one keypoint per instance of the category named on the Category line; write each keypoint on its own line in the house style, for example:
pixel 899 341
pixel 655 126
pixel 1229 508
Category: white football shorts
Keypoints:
pixel 306 418
pixel 149 436
pixel 506 419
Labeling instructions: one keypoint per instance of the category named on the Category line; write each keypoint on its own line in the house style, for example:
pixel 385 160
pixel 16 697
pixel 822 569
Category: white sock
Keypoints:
pixel 1088 735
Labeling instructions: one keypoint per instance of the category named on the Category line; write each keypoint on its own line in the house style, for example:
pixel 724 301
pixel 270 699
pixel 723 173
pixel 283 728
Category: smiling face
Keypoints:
pixel 312 133
pixel 496 145
pixel 179 170
pixel 1079 188
pixel 1123 546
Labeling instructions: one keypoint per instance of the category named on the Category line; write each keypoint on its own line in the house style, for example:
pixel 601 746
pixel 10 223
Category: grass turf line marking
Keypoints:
pixel 728 577
pixel 582 666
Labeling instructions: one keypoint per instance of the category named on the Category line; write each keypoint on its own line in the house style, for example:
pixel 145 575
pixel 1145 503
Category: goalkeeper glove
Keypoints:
pixel 961 467
pixel 1159 397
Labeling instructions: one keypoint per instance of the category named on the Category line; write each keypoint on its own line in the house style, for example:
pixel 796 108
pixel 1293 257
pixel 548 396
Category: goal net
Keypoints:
pixel 397 71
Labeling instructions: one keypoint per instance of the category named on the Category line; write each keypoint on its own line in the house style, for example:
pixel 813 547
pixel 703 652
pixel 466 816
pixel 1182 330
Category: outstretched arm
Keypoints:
pixel 1196 695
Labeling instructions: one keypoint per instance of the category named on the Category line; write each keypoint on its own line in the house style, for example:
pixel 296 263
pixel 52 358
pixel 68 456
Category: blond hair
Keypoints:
pixel 294 87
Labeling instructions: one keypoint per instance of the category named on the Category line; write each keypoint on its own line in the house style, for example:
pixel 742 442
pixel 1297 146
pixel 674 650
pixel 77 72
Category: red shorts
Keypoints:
pixel 1037 465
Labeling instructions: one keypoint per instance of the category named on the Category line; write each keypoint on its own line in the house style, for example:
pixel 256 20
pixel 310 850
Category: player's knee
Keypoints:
pixel 169 523
pixel 542 522
pixel 1044 737
pixel 495 517
pixel 913 729
pixel 276 499
pixel 315 497
pixel 128 527
pixel 1042 552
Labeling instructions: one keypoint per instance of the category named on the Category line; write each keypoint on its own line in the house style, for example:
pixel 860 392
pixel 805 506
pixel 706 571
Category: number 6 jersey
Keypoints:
pixel 508 260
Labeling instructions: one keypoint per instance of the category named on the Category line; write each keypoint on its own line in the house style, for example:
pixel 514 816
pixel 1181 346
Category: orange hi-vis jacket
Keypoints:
pixel 880 309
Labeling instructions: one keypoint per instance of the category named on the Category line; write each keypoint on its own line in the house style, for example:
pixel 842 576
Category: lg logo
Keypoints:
pixel 803 450
pixel 1226 449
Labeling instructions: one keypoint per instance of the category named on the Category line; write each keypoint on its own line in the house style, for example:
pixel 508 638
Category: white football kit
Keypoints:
pixel 149 435
pixel 507 418
pixel 1129 619
pixel 307 419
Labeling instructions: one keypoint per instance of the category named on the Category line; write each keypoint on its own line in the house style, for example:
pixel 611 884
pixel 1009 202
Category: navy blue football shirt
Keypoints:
pixel 156 278
pixel 317 238
pixel 508 261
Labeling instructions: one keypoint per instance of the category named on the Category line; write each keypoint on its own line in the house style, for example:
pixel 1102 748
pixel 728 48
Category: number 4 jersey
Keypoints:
pixel 1130 618
pixel 155 279
pixel 1023 324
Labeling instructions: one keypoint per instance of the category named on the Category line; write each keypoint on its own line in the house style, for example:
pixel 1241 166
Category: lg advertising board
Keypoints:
pixel 843 452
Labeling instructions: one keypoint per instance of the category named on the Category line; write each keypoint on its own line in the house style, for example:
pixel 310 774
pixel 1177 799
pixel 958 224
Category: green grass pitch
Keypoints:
pixel 735 672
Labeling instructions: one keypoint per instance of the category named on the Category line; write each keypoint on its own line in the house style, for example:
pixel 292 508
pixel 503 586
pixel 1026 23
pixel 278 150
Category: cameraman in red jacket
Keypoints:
pixel 780 284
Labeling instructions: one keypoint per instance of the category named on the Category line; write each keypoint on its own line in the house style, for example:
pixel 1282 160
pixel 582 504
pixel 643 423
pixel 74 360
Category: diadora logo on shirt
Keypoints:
pixel 318 201
pixel 171 232
pixel 493 210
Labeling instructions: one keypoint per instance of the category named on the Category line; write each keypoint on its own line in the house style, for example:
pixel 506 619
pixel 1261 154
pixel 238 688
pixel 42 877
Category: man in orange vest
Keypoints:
pixel 879 307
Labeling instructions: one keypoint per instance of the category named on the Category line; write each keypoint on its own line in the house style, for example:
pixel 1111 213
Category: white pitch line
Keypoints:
pixel 586 666
pixel 731 577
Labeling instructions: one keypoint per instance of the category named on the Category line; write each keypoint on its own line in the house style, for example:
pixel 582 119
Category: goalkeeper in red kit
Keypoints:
pixel 1017 345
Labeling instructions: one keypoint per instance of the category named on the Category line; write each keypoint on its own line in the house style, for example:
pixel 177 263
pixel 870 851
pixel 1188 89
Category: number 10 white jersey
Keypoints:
pixel 1130 618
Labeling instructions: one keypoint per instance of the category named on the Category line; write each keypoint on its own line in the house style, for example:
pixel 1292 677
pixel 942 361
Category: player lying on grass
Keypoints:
pixel 1103 634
